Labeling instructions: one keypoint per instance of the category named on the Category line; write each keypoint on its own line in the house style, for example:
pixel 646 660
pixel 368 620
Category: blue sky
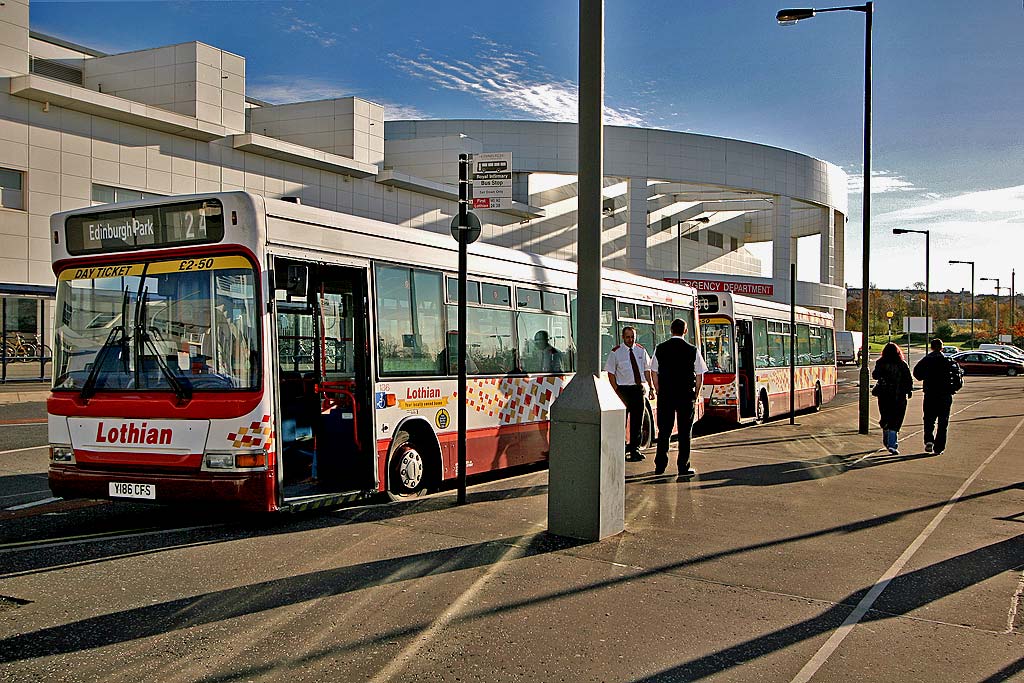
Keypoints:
pixel 948 152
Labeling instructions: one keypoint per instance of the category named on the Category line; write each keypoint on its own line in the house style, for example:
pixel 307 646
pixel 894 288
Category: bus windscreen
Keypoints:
pixel 180 325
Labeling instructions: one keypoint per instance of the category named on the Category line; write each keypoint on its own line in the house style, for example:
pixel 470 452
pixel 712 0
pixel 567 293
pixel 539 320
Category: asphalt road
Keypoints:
pixel 799 553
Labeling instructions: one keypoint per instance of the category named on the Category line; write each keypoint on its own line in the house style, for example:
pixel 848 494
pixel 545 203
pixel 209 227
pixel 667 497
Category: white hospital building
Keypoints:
pixel 79 127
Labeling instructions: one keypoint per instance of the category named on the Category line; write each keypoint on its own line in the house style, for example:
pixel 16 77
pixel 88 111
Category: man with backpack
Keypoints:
pixel 941 377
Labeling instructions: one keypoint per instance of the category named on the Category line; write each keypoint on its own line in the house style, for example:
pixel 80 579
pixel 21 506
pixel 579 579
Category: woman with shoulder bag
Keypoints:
pixel 894 387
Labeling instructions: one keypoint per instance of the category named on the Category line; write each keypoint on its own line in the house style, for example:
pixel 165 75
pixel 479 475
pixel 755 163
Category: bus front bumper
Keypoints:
pixel 244 491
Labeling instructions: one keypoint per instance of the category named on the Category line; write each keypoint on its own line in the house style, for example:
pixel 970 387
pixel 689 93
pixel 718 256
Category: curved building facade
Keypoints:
pixel 675 204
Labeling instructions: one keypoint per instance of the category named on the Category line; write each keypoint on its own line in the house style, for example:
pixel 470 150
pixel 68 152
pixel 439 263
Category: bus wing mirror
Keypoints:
pixel 298 280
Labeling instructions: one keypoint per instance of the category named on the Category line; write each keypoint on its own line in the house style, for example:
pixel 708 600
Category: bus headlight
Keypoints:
pixel 62 454
pixel 220 461
pixel 235 460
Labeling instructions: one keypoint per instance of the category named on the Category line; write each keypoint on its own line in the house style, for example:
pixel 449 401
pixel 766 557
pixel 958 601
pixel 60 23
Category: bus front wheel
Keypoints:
pixel 762 408
pixel 406 469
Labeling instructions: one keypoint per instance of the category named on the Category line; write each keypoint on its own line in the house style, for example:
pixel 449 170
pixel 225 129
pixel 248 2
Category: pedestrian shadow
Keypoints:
pixel 900 597
pixel 1006 673
pixel 795 471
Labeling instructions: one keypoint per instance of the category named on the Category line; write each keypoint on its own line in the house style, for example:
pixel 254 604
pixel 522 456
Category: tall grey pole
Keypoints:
pixel 865 400
pixel 586 471
pixel 1013 299
pixel 463 266
pixel 974 343
pixel 927 289
pixel 792 343
pixel 591 168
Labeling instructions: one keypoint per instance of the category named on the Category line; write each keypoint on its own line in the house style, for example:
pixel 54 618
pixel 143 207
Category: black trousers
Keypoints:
pixel 892 408
pixel 680 413
pixel 936 408
pixel 633 396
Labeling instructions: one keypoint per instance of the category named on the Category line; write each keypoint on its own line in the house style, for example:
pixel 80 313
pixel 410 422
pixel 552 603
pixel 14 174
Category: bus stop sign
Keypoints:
pixel 471 233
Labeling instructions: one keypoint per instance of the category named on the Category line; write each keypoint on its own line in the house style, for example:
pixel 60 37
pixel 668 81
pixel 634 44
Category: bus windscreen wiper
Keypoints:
pixel 183 390
pixel 118 337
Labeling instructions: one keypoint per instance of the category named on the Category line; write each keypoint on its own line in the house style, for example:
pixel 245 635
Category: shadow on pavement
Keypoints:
pixel 909 592
pixel 142 622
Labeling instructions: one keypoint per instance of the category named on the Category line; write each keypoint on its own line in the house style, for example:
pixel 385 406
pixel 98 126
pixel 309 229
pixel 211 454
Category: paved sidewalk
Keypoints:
pixel 24 392
pixel 798 553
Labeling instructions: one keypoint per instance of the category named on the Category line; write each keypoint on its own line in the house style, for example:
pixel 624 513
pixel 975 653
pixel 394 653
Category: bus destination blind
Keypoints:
pixel 145 228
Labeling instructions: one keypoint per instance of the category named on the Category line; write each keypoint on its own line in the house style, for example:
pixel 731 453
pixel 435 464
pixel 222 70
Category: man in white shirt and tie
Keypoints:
pixel 628 367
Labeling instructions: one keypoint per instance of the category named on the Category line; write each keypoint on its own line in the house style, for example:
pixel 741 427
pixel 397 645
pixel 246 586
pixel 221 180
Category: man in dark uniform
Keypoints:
pixel 627 369
pixel 934 371
pixel 678 372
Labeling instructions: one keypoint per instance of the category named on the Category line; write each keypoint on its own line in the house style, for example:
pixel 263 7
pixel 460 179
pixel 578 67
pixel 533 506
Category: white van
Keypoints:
pixel 1007 349
pixel 848 346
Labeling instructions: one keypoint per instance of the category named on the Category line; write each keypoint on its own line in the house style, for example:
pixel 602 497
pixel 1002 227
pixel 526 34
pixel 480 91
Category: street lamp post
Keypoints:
pixel 927 282
pixel 996 280
pixel 971 264
pixel 791 16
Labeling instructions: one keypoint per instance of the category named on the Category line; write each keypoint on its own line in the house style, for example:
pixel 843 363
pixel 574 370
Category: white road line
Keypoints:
pixel 1015 601
pixel 35 503
pixel 22 450
pixel 836 639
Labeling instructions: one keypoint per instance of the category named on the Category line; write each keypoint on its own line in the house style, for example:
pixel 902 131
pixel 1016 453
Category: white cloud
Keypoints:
pixel 402 112
pixel 1001 206
pixel 312 31
pixel 506 81
pixel 283 89
pixel 881 182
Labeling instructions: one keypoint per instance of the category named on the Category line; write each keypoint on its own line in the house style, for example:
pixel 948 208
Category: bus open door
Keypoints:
pixel 323 373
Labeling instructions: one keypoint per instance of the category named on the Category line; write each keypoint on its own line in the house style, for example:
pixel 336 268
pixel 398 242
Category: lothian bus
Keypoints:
pixel 229 348
pixel 746 344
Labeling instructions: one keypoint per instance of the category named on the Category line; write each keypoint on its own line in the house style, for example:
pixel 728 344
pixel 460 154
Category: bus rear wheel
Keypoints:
pixel 407 475
pixel 762 408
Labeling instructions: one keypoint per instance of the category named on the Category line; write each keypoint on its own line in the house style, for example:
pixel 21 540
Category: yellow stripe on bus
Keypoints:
pixel 101 272
pixel 185 265
pixel 190 265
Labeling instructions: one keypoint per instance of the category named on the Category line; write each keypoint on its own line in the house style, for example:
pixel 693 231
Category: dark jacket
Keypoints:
pixel 676 379
pixel 893 377
pixel 934 371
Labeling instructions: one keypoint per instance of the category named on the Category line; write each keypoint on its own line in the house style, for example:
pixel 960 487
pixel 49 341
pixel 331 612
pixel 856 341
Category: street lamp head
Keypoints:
pixel 788 17
pixel 899 231
pixel 701 219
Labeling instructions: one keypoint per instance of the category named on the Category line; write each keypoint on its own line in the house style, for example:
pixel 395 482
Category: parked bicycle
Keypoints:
pixel 21 348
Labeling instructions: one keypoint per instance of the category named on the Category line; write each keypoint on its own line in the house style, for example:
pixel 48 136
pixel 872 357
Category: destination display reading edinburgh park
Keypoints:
pixel 145 228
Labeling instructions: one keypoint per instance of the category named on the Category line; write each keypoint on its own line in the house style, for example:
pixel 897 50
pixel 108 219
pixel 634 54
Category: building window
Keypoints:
pixel 714 239
pixel 12 196
pixel 693 235
pixel 105 194
pixel 734 244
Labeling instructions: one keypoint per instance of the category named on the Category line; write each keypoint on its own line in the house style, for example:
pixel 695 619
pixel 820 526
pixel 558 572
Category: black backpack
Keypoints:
pixel 956 376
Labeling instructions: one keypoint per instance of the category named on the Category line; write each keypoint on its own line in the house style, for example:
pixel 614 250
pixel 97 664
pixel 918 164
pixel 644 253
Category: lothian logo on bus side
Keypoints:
pixel 130 434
